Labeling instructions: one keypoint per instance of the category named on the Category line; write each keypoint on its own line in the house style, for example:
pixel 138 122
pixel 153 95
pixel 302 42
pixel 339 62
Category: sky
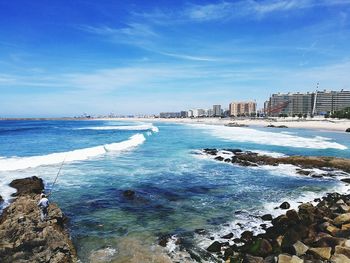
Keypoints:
pixel 65 58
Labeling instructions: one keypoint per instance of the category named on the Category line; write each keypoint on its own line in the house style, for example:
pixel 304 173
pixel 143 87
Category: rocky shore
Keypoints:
pixel 248 158
pixel 314 233
pixel 24 238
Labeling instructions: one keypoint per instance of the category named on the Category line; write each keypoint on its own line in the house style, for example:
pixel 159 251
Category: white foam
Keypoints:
pixel 20 163
pixel 271 154
pixel 268 138
pixel 141 127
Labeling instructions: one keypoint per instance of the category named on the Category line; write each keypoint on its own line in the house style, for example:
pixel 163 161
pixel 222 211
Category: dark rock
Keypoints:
pixel 267 217
pixel 215 247
pixel 228 236
pixel 306 213
pixel 252 259
pixel 163 240
pixel 227 160
pixel 347 130
pixel 219 158
pixel 285 205
pixel 247 235
pixel 210 151
pixel 293 216
pixel 260 247
pixel 129 194
pixel 303 172
pixel 228 252
pixel 28 186
pixel 1 200
pixel 345 180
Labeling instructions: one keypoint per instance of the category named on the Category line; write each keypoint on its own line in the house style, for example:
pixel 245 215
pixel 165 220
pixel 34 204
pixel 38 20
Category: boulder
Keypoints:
pixel 30 185
pixel 284 258
pixel 345 180
pixel 347 130
pixel 247 235
pixel 306 213
pixel 260 247
pixel 300 248
pixel 329 241
pixel 228 236
pixel 285 205
pixel 267 217
pixel 339 258
pixel 342 219
pixel 215 247
pixel 1 200
pixel 321 252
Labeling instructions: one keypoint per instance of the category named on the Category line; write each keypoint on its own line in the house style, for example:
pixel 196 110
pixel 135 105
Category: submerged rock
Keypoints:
pixel 24 238
pixel 129 194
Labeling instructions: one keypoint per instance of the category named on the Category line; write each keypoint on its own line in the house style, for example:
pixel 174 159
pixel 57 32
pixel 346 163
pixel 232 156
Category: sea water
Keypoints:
pixel 176 190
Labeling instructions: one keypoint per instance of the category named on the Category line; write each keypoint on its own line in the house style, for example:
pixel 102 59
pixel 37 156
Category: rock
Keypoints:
pixel 300 248
pixel 215 247
pixel 321 252
pixel 347 130
pixel 339 258
pixel 1 200
pixel 332 230
pixel 30 185
pixel 329 241
pixel 219 158
pixel 228 236
pixel 345 180
pixel 129 194
pixel 252 259
pixel 24 238
pixel 306 213
pixel 342 219
pixel 293 215
pixel 267 217
pixel 303 172
pixel 284 258
pixel 200 231
pixel 342 250
pixel 163 240
pixel 247 235
pixel 285 205
pixel 260 247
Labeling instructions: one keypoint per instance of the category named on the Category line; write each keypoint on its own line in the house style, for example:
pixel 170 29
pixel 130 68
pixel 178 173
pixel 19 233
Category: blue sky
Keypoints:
pixel 64 58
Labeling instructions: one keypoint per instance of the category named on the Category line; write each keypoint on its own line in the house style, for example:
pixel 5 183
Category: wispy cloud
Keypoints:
pixel 189 57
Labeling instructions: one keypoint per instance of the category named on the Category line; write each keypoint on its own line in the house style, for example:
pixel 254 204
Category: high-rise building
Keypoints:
pixel 242 108
pixel 217 111
pixel 198 113
pixel 317 103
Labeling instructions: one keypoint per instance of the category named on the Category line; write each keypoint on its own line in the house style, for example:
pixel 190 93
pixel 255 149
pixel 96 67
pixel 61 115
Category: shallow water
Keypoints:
pixel 177 191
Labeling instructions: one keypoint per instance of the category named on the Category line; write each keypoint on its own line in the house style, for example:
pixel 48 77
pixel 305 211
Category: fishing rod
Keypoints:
pixel 58 173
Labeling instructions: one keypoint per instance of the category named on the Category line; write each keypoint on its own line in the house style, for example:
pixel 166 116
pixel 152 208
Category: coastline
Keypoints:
pixel 317 124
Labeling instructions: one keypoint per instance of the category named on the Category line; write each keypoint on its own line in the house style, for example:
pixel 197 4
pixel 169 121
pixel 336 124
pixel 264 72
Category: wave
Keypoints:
pixel 20 163
pixel 269 138
pixel 143 127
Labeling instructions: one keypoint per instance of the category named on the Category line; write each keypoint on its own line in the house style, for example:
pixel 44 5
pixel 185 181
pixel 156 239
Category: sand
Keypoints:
pixel 315 123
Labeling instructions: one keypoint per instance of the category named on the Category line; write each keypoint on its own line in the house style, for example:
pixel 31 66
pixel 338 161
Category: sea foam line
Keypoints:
pixel 142 127
pixel 268 138
pixel 20 163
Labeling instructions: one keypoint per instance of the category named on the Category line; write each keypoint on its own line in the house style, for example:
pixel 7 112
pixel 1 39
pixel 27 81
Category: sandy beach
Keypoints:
pixel 315 123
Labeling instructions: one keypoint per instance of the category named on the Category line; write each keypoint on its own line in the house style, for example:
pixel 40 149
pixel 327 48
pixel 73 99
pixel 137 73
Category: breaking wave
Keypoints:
pixel 269 138
pixel 20 163
pixel 142 127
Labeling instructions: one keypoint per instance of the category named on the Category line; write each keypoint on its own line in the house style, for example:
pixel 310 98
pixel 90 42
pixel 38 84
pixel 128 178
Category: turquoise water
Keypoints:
pixel 177 191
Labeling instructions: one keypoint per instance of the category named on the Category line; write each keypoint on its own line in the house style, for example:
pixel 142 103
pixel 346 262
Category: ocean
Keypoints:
pixel 177 191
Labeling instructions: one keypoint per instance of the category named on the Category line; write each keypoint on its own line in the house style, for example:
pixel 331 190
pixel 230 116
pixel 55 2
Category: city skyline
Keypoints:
pixel 64 59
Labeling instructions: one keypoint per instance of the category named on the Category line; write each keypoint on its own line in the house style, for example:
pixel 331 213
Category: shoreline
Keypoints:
pixel 336 125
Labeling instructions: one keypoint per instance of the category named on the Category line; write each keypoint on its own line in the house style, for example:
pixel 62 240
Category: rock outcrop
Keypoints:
pixel 319 233
pixel 248 158
pixel 24 238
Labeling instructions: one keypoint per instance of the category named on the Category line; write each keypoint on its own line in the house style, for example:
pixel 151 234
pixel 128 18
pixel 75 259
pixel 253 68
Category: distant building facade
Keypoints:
pixel 242 108
pixel 170 115
pixel 217 111
pixel 316 103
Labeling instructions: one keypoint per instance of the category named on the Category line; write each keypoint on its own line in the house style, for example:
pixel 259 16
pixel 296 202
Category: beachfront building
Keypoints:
pixel 210 113
pixel 310 103
pixel 217 110
pixel 170 115
pixel 198 113
pixel 330 101
pixel 242 108
pixel 289 104
pixel 190 113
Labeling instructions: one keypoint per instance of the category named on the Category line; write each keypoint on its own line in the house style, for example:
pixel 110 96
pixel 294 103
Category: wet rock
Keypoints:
pixel 300 248
pixel 219 158
pixel 228 236
pixel 345 180
pixel 347 130
pixel 285 205
pixel 163 240
pixel 210 151
pixel 26 186
pixel 267 217
pixel 247 235
pixel 252 259
pixel 129 194
pixel 321 252
pixel 215 247
pixel 1 200
pixel 303 172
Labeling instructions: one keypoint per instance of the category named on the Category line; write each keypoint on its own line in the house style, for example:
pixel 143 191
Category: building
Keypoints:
pixel 217 111
pixel 330 101
pixel 170 115
pixel 198 113
pixel 316 103
pixel 210 113
pixel 183 114
pixel 242 108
